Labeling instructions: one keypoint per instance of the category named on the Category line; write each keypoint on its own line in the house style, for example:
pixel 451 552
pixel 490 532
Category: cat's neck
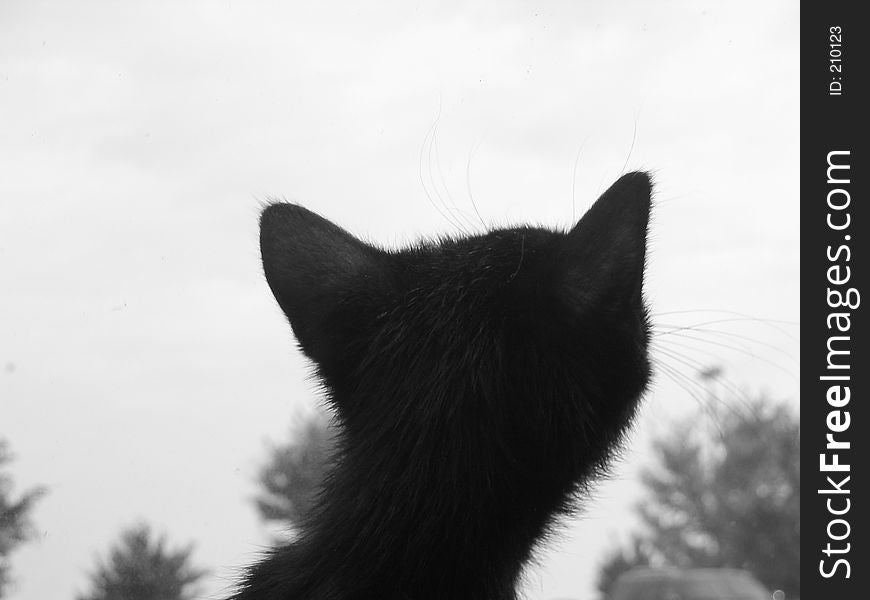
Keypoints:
pixel 427 520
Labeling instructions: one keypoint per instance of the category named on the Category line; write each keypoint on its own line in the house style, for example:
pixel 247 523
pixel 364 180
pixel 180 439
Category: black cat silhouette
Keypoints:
pixel 478 385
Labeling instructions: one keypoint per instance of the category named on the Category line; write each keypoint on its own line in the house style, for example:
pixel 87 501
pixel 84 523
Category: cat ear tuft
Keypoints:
pixel 605 252
pixel 314 269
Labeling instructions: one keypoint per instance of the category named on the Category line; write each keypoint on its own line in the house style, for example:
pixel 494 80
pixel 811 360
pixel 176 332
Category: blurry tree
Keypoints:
pixel 723 492
pixel 15 525
pixel 141 567
pixel 293 472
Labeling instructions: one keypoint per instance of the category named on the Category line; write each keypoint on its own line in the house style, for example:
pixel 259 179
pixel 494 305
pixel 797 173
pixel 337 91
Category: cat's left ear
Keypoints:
pixel 603 260
pixel 323 277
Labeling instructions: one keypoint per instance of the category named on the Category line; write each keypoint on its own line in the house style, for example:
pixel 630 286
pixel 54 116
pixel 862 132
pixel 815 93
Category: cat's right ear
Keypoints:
pixel 605 253
pixel 322 277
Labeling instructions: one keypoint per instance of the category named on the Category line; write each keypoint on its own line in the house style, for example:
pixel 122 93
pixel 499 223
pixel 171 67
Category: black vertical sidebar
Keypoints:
pixel 835 371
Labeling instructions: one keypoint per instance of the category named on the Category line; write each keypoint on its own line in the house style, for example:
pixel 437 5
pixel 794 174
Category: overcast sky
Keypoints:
pixel 143 362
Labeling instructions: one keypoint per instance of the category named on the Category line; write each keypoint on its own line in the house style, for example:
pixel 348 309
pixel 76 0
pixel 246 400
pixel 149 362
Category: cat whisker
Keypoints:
pixel 468 185
pixel 423 180
pixel 704 327
pixel 426 160
pixel 630 148
pixel 772 323
pixel 433 156
pixel 678 377
pixel 745 351
pixel 452 208
pixel 717 356
pixel 686 383
pixel 700 367
pixel 708 398
pixel 665 332
pixel 730 337
pixel 574 180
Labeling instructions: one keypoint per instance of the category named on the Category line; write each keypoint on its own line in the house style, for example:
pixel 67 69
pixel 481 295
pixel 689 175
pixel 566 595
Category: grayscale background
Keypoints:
pixel 144 365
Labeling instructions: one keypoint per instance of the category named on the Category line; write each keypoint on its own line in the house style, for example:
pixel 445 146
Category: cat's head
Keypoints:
pixel 522 336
